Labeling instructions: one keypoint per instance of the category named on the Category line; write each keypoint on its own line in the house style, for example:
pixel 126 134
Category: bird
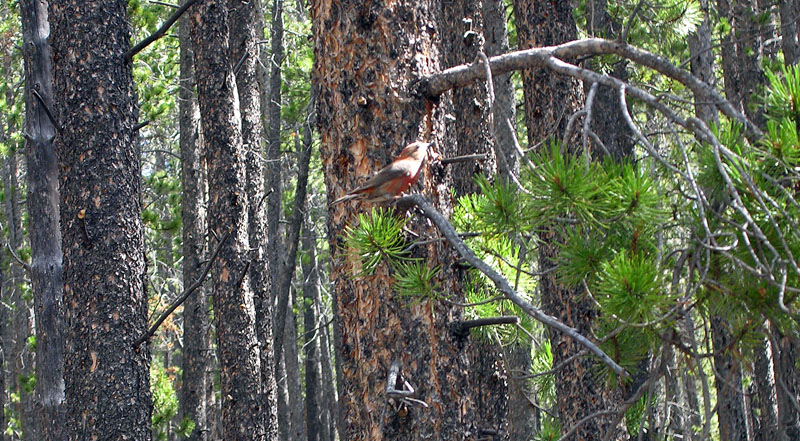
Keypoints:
pixel 395 178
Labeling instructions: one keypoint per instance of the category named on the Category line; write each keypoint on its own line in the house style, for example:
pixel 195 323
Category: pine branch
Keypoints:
pixel 502 284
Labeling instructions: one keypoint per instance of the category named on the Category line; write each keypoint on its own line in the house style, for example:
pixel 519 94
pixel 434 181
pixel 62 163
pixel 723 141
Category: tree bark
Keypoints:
pixel 234 309
pixel 107 394
pixel 245 37
pixel 367 56
pixel 45 234
pixel 197 356
pixel 550 100
pixel 789 32
pixel 728 381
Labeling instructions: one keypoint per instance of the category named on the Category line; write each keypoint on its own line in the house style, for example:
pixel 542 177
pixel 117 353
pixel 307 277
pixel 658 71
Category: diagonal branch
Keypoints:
pixel 502 284
pixel 186 293
pixel 160 31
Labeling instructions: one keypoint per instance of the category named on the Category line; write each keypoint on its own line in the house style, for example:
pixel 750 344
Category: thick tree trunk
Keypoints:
pixel 608 121
pixel 234 309
pixel 550 100
pixel 462 24
pixel 245 37
pixel 367 56
pixel 107 393
pixel 197 356
pixel 45 234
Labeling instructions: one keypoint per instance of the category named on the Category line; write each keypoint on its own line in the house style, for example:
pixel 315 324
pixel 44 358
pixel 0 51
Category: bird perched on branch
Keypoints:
pixel 395 178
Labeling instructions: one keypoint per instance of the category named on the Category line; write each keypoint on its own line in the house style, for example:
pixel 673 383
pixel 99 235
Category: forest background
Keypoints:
pixel 600 246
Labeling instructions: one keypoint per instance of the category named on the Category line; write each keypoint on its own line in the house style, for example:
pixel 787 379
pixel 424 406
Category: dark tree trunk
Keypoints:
pixel 197 356
pixel 367 56
pixel 788 389
pixel 107 393
pixel 234 309
pixel 742 50
pixel 292 360
pixel 462 24
pixel 245 37
pixel 311 340
pixel 608 121
pixel 789 32
pixel 550 100
pixel 728 381
pixel 764 380
pixel 45 234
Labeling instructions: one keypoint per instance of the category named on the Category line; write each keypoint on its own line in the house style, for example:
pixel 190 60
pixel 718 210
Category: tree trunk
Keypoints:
pixel 107 393
pixel 505 105
pixel 550 100
pixel 728 381
pixel 245 37
pixel 367 57
pixel 234 309
pixel 45 235
pixel 292 360
pixel 314 409
pixel 789 32
pixel 462 24
pixel 197 367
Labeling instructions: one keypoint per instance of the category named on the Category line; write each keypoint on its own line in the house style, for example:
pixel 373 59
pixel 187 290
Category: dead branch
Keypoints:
pixel 502 284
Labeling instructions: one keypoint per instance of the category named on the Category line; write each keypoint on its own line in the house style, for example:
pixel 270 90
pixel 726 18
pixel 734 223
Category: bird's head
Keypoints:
pixel 416 150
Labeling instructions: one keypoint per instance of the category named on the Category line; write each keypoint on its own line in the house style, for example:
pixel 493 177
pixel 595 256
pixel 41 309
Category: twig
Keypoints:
pixel 22 263
pixel 465 158
pixel 502 284
pixel 461 328
pixel 186 293
pixel 160 32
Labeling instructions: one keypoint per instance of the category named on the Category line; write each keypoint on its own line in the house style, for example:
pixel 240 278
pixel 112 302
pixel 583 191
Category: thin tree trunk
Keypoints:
pixel 292 358
pixel 197 368
pixel 311 338
pixel 107 392
pixel 45 235
pixel 234 309
pixel 728 382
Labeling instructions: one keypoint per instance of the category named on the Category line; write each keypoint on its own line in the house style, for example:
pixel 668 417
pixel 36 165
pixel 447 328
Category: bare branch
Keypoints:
pixel 502 284
pixel 186 293
pixel 160 31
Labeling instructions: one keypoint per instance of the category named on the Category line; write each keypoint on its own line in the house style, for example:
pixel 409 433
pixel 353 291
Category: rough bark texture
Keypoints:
pixel 549 102
pixel 786 385
pixel 45 234
pixel 741 57
pixel 463 39
pixel 608 121
pixel 234 310
pixel 197 356
pixel 367 56
pixel 245 37
pixel 107 394
pixel 764 380
pixel 702 65
pixel 728 381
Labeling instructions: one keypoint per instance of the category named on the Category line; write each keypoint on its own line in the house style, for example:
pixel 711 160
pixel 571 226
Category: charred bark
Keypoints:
pixel 234 309
pixel 107 394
